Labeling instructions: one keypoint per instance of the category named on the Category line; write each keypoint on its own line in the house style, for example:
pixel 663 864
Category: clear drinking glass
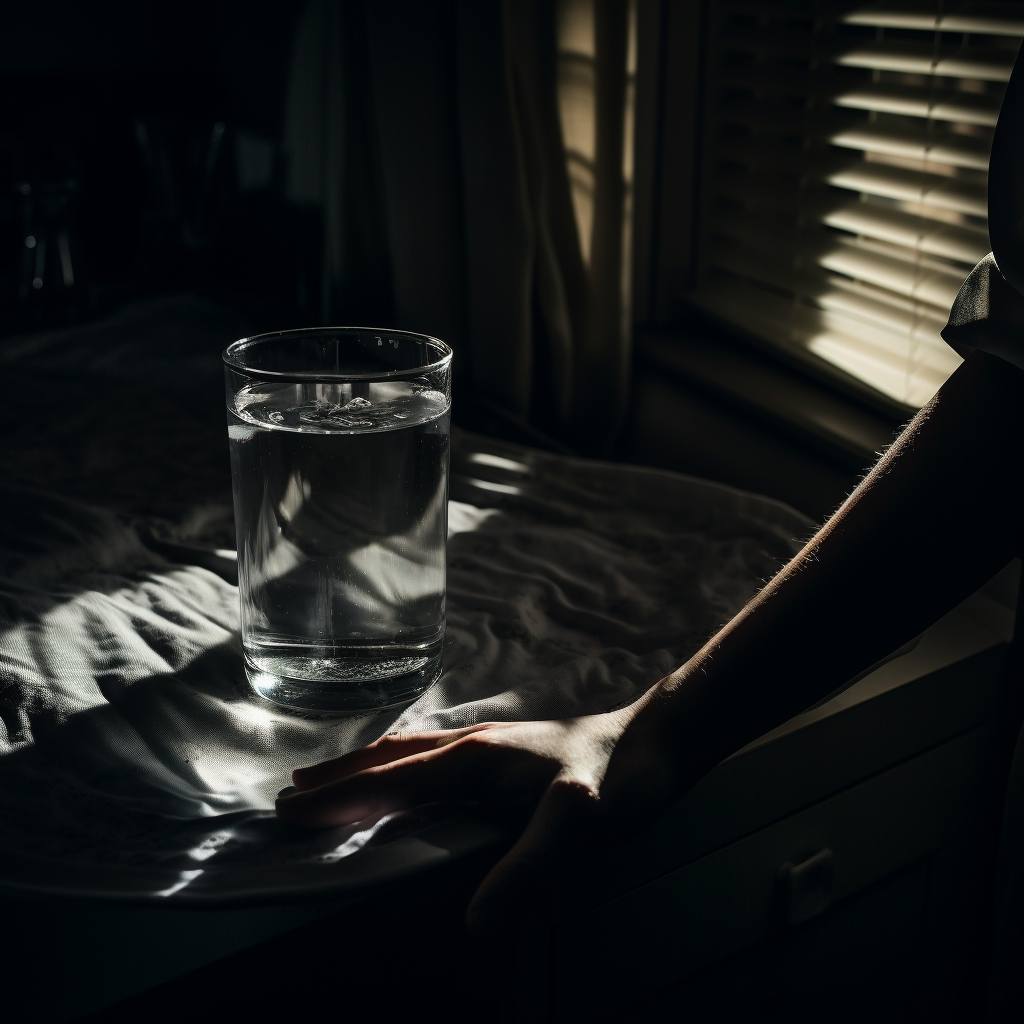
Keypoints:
pixel 339 462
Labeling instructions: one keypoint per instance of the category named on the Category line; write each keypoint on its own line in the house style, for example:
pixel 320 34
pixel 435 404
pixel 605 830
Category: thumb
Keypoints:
pixel 520 888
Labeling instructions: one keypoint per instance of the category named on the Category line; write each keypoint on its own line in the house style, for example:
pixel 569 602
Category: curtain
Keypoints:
pixel 432 136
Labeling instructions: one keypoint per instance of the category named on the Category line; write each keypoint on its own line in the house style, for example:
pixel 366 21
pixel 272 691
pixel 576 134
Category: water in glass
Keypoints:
pixel 341 514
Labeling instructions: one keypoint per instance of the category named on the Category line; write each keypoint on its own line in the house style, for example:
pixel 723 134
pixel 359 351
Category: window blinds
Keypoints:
pixel 844 192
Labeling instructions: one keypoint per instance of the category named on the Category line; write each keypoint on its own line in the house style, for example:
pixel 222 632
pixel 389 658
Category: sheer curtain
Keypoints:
pixel 472 162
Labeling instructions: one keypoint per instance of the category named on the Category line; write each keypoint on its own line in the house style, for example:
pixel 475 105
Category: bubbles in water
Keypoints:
pixel 313 415
pixel 324 414
pixel 388 407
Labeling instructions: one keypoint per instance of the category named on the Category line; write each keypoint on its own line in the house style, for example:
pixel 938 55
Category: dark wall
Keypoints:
pixel 139 145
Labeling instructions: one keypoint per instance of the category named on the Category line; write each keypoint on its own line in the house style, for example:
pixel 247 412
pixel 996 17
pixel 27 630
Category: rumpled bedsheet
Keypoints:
pixel 136 763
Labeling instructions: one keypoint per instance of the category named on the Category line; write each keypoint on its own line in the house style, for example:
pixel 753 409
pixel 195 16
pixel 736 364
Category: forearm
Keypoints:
pixel 937 516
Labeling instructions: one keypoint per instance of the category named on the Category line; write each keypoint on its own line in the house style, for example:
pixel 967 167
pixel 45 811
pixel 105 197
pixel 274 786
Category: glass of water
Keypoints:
pixel 339 461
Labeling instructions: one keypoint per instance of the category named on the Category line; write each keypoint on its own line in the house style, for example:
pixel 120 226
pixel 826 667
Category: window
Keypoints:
pixel 840 195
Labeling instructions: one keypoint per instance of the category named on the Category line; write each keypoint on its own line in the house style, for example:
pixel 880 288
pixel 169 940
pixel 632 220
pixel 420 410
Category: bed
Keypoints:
pixel 138 769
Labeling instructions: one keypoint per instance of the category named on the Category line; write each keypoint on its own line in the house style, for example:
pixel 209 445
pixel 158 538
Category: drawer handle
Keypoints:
pixel 808 887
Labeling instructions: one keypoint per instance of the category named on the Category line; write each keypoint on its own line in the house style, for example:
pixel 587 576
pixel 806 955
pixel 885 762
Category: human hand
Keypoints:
pixel 587 780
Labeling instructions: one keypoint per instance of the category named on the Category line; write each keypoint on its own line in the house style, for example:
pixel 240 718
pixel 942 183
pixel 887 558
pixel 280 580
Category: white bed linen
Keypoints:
pixel 135 763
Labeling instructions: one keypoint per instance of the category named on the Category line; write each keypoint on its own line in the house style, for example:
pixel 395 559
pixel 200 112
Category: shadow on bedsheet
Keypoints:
pixel 173 778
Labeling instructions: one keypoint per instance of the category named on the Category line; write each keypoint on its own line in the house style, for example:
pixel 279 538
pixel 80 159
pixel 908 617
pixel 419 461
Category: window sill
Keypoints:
pixel 805 410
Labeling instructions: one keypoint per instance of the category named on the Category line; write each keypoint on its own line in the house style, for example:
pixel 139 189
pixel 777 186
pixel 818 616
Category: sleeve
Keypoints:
pixel 987 314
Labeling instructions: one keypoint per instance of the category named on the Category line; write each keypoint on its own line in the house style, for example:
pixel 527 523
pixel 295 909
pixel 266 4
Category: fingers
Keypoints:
pixel 519 884
pixel 467 768
pixel 383 751
pixel 377 790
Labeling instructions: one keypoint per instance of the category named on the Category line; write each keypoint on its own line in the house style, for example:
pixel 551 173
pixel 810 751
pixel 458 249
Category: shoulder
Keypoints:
pixel 987 315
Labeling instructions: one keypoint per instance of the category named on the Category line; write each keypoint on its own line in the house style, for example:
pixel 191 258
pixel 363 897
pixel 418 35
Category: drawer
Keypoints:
pixel 615 954
pixel 854 963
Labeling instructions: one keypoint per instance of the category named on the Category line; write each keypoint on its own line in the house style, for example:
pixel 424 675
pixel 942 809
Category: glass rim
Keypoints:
pixel 231 356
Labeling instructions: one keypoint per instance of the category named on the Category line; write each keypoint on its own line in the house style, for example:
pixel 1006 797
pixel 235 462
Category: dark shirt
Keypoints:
pixel 988 314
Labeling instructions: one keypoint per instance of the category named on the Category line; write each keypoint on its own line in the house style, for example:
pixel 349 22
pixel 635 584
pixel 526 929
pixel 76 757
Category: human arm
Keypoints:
pixel 903 549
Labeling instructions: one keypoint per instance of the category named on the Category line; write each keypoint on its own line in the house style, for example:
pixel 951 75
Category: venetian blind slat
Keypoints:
pixel 912 186
pixel 967 62
pixel 922 102
pixel 867 220
pixel 913 231
pixel 907 18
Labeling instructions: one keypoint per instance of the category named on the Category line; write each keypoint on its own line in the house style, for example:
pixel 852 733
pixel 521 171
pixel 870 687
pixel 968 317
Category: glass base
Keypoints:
pixel 346 684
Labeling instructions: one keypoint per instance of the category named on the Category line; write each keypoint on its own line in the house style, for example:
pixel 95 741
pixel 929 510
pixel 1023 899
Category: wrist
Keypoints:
pixel 668 722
